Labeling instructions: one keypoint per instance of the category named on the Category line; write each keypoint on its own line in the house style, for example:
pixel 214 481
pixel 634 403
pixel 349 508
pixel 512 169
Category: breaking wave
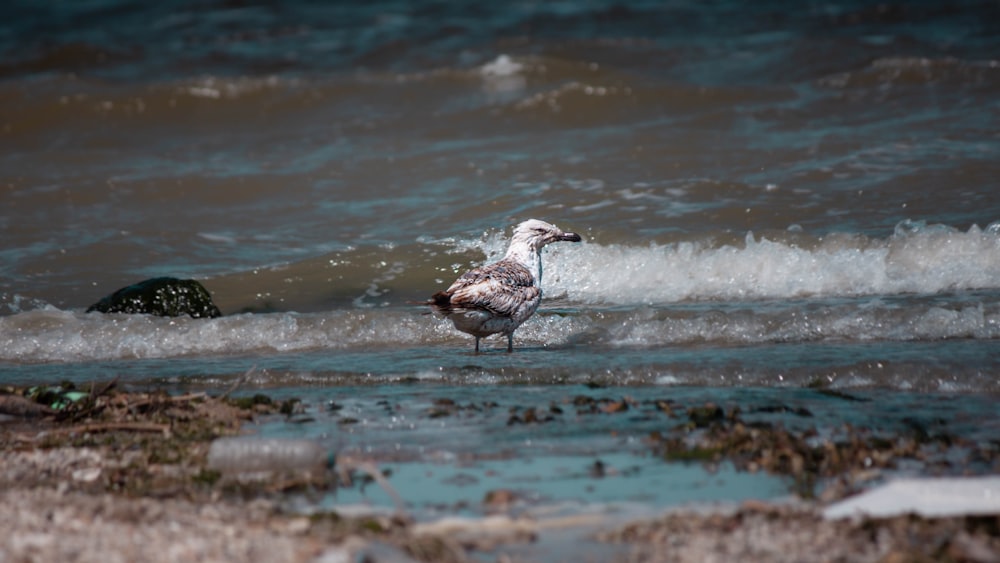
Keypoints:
pixel 924 282
pixel 917 258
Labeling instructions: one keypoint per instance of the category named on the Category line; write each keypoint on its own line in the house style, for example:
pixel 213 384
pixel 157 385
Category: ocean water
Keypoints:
pixel 764 193
pixel 770 195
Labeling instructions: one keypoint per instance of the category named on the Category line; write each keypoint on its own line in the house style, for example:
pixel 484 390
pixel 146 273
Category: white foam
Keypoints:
pixel 799 323
pixel 15 303
pixel 54 335
pixel 503 65
pixel 915 259
pixel 613 294
pixel 218 238
pixel 503 79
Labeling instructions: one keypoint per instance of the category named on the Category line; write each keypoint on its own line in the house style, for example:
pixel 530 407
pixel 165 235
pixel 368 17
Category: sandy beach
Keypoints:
pixel 45 524
pixel 122 476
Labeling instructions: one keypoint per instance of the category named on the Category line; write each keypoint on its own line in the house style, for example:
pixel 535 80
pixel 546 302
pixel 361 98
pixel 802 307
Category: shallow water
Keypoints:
pixel 770 199
pixel 447 446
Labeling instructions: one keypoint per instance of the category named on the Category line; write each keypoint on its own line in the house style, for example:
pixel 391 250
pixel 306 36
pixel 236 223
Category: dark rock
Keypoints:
pixel 166 297
pixel 702 417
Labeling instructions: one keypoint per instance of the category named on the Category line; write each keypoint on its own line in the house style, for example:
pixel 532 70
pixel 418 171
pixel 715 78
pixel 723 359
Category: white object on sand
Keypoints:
pixel 930 498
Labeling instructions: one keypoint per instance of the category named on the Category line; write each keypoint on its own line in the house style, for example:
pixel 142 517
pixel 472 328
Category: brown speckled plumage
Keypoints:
pixel 498 297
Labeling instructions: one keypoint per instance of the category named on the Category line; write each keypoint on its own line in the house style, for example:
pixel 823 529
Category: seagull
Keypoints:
pixel 498 297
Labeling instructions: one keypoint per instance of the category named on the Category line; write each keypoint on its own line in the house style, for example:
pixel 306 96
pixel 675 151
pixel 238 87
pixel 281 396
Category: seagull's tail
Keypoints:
pixel 439 303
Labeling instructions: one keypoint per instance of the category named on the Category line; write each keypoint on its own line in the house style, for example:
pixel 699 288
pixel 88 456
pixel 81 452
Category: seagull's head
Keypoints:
pixel 537 234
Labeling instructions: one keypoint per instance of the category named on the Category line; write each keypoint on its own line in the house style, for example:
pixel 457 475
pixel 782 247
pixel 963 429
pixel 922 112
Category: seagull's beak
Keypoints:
pixel 569 237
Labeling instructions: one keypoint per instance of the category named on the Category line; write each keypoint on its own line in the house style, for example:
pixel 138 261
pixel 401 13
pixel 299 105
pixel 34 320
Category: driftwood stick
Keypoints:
pixel 178 399
pixel 17 405
pixel 239 381
pixel 107 387
pixel 113 426
pixel 95 427
pixel 346 464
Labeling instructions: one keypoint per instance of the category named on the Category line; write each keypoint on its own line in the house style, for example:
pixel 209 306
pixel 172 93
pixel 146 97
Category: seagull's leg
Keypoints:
pixel 477 344
pixel 510 342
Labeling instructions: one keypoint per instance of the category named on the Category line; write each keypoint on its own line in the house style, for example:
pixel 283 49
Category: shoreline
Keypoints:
pixel 123 476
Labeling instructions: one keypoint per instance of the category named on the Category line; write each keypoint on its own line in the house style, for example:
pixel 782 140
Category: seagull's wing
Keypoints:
pixel 501 288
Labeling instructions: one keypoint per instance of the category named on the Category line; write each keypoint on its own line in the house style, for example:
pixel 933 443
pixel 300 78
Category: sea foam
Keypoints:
pixel 923 282
pixel 916 258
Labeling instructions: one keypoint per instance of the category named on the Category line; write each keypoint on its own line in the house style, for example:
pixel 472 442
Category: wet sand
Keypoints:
pixel 121 476
pixel 45 524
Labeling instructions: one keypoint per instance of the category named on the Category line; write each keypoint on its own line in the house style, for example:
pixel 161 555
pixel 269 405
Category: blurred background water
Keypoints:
pixel 807 191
